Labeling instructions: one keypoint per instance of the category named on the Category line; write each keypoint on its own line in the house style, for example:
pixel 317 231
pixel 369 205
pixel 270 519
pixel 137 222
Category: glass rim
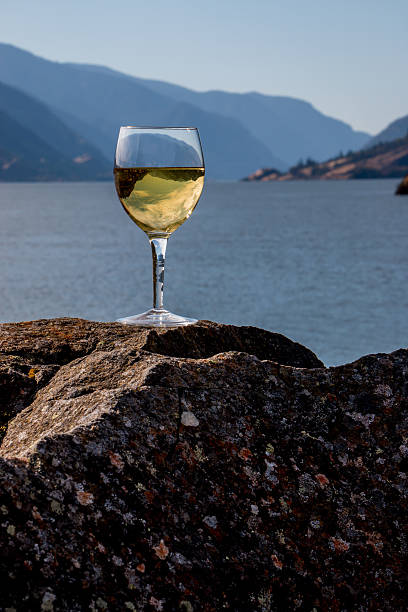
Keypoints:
pixel 157 127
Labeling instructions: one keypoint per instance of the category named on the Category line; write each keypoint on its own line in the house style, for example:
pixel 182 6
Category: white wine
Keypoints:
pixel 159 200
pixel 159 177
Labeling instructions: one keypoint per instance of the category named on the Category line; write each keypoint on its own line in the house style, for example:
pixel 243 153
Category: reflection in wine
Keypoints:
pixel 159 200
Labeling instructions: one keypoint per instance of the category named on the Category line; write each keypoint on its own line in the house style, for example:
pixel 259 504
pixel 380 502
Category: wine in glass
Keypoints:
pixel 159 177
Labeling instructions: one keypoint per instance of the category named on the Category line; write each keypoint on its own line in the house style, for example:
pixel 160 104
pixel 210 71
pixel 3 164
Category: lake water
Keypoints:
pixel 324 263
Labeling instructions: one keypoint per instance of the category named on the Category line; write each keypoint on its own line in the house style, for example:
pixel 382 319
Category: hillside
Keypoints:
pixel 239 131
pixel 36 145
pixel 386 160
pixel 26 157
pixel 96 102
pixel 396 129
pixel 292 128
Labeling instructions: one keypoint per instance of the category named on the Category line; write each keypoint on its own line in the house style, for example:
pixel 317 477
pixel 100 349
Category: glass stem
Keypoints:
pixel 159 246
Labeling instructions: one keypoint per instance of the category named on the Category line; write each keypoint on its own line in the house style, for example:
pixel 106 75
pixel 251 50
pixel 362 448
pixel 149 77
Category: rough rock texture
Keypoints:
pixel 198 469
pixel 402 188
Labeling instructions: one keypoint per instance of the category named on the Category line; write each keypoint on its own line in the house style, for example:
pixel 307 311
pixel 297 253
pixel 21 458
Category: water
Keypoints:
pixel 321 262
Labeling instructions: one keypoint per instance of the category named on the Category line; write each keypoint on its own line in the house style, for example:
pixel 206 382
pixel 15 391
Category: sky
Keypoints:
pixel 346 57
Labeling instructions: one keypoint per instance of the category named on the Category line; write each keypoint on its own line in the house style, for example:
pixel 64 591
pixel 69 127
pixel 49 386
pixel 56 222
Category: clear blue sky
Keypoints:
pixel 347 57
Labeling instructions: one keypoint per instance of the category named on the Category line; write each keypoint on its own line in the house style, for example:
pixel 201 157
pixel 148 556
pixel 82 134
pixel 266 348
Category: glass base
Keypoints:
pixel 157 318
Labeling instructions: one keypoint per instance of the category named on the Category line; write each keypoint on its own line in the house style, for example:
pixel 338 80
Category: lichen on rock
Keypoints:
pixel 203 468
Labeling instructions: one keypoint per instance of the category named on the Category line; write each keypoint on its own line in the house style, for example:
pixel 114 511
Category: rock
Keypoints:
pixel 32 351
pixel 203 468
pixel 402 188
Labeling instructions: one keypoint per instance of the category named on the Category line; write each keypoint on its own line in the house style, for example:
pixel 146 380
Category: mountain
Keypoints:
pixel 292 128
pixel 387 160
pixel 36 145
pixel 96 102
pixel 396 129
pixel 24 156
pixel 239 131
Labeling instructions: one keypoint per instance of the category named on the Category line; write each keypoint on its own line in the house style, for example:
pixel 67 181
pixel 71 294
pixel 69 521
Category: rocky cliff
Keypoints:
pixel 198 469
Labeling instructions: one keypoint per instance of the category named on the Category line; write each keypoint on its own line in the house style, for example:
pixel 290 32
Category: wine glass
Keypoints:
pixel 159 177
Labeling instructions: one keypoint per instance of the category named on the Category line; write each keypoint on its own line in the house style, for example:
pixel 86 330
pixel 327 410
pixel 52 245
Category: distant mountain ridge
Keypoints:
pixel 386 160
pixel 292 128
pixel 284 124
pixel 36 145
pixel 396 129
pixel 239 131
pixel 100 103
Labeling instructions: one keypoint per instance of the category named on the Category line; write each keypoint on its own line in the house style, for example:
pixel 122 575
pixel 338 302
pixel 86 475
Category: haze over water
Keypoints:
pixel 321 262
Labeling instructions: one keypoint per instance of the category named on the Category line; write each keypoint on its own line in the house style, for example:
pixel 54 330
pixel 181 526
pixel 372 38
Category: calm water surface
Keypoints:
pixel 323 263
